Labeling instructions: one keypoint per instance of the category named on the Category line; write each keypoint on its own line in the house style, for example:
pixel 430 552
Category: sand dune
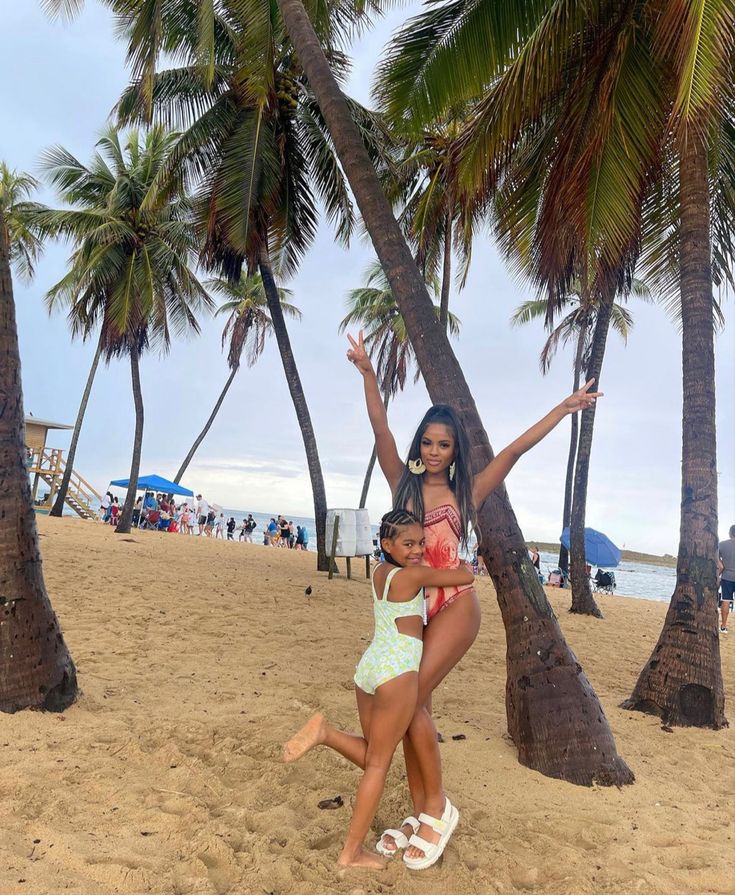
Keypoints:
pixel 198 658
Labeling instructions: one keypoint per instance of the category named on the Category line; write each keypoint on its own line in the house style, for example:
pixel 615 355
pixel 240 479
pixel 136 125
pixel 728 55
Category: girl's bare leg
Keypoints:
pixel 447 638
pixel 392 708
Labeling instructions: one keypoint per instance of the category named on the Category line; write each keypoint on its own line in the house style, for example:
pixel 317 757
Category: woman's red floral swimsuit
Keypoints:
pixel 442 534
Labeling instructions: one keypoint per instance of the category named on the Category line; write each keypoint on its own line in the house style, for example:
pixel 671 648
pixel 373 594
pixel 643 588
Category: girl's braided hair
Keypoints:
pixel 392 523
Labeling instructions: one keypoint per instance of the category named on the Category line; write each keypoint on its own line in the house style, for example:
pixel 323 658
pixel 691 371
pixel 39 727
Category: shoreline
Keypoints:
pixel 650 559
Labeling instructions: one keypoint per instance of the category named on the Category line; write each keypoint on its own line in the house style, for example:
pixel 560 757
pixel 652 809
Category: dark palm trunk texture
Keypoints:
pixel 572 456
pixel 303 416
pixel 36 670
pixel 682 680
pixel 58 507
pixel 554 716
pixel 126 517
pixel 207 426
pixel 446 274
pixel 582 600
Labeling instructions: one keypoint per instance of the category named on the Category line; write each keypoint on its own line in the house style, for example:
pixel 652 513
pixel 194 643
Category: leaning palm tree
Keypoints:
pixel 581 749
pixel 617 104
pixel 254 138
pixel 134 241
pixel 575 327
pixel 246 329
pixel 36 670
pixel 373 308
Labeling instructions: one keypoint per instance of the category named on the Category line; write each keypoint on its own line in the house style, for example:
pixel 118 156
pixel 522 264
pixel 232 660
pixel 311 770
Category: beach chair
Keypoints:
pixel 604 582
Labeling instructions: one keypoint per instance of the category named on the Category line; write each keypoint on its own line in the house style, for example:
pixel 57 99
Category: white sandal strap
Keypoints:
pixel 412 822
pixel 399 837
pixel 424 844
pixel 437 825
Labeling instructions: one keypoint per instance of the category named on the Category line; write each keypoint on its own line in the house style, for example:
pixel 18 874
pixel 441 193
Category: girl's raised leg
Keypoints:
pixel 392 708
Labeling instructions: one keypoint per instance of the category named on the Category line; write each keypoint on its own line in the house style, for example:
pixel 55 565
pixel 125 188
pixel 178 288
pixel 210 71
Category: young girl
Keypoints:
pixel 386 684
pixel 437 482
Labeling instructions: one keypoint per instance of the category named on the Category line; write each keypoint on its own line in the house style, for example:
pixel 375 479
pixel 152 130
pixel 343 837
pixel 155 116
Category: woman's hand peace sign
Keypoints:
pixel 358 355
pixel 581 399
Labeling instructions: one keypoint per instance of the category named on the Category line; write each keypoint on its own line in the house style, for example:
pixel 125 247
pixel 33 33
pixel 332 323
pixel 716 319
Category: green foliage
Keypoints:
pixel 133 242
pixel 19 214
pixel 248 322
pixel 373 308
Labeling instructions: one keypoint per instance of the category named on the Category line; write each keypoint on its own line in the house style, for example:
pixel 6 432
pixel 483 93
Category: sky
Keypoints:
pixel 58 84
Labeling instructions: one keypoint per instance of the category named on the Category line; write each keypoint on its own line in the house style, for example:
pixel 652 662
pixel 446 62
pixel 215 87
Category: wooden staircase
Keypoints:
pixel 49 465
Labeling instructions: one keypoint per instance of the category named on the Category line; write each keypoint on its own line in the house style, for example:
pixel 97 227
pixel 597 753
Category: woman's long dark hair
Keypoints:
pixel 409 493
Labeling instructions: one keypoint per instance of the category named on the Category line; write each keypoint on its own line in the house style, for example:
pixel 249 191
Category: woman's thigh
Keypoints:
pixel 447 638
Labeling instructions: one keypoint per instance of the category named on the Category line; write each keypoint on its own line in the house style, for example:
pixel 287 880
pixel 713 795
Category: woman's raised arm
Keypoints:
pixel 385 445
pixel 498 468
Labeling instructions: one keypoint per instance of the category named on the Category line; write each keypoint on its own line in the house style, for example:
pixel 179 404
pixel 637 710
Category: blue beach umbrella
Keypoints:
pixel 599 550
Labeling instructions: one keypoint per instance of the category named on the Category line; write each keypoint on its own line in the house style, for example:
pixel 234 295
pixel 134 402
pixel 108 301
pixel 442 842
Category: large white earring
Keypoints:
pixel 452 470
pixel 416 466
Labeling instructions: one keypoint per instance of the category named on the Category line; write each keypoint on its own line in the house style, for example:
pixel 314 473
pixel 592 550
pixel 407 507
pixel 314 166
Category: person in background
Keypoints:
pixel 231 528
pixel 299 538
pixel 242 528
pixel 272 533
pixel 284 531
pixel 250 527
pixel 726 568
pixel 137 509
pixel 219 526
pixel 202 511
pixel 291 536
pixel 104 510
pixel 114 511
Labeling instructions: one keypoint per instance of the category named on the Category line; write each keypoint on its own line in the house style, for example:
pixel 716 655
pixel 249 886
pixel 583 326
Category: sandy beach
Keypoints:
pixel 197 659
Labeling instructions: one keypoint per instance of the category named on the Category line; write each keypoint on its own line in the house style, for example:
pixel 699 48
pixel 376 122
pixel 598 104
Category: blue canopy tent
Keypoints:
pixel 599 549
pixel 155 483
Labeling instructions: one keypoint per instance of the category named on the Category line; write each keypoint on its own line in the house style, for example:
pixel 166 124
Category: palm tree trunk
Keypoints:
pixel 207 426
pixel 446 274
pixel 58 507
pixel 572 456
pixel 371 465
pixel 300 406
pixel 36 670
pixel 682 681
pixel 582 600
pixel 554 715
pixel 126 517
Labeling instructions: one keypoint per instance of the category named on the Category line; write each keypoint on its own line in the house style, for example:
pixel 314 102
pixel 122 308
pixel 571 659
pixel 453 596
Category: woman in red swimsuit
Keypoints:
pixel 438 485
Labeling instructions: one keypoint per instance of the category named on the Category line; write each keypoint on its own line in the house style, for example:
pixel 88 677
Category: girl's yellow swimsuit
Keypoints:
pixel 390 653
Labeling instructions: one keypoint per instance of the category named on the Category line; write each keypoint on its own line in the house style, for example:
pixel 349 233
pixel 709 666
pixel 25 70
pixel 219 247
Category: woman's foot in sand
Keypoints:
pixel 363 858
pixel 312 734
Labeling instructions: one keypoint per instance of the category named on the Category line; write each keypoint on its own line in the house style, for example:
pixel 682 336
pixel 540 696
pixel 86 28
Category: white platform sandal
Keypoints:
pixel 399 836
pixel 444 826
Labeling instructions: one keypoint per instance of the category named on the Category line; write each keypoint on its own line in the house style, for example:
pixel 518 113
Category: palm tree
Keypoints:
pixel 20 231
pixel 256 140
pixel 434 219
pixel 575 327
pixel 134 240
pixel 36 669
pixel 246 329
pixel 579 750
pixel 373 308
pixel 619 104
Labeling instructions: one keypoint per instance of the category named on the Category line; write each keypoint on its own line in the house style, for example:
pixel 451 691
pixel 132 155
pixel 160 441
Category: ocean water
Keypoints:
pixel 633 579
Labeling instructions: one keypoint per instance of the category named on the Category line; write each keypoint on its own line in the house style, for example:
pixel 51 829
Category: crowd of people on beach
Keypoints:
pixel 160 512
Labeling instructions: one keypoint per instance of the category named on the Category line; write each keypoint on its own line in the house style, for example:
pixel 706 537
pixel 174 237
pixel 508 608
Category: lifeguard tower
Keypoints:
pixel 47 465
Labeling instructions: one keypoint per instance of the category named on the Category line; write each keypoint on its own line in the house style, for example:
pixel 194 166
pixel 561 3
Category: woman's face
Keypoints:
pixel 437 447
pixel 407 547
